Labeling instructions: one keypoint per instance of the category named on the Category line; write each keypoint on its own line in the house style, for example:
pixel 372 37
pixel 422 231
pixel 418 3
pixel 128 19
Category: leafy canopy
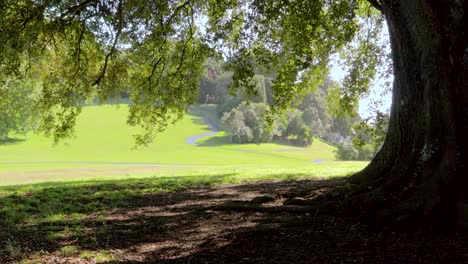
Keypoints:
pixel 88 49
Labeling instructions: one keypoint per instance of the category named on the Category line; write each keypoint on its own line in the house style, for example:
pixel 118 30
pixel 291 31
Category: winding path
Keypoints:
pixel 213 126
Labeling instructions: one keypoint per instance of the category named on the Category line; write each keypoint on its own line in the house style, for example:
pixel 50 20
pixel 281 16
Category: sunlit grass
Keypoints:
pixel 103 148
pixel 102 136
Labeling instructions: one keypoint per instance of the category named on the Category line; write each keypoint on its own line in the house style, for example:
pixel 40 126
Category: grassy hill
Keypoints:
pixel 103 147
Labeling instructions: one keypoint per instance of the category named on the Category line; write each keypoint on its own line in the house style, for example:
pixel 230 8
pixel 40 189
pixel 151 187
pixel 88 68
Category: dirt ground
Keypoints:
pixel 229 224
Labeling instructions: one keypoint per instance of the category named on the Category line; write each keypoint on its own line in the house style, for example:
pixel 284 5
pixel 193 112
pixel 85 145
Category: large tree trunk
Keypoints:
pixel 419 178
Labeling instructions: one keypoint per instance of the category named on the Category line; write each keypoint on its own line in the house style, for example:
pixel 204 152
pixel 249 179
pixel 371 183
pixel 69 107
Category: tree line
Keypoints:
pixel 243 115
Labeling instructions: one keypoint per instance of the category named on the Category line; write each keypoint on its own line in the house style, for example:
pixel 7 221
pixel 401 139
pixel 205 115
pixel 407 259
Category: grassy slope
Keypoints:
pixel 103 136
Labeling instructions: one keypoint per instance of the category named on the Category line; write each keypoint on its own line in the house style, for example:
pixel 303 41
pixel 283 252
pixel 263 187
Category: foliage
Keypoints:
pixel 246 124
pixel 314 114
pixel 371 131
pixel 214 91
pixel 16 107
pixel 343 124
pixel 297 130
pixel 366 152
pixel 156 52
pixel 361 58
pixel 98 48
pixel 259 93
pixel 346 151
pixel 318 99
pixel 312 119
pixel 213 86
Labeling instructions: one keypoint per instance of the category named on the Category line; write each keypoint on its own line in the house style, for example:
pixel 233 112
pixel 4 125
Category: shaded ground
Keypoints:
pixel 223 224
pixel 11 141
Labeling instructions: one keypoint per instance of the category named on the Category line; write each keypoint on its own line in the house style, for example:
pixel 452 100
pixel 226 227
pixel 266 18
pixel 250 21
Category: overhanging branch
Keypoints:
pixel 114 44
pixel 376 4
pixel 78 8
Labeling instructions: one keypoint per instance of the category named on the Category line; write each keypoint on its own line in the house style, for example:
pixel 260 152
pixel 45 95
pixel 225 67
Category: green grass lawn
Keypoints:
pixel 104 148
pixel 50 190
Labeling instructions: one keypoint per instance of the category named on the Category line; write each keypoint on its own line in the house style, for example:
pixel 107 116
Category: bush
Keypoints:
pixel 366 152
pixel 242 134
pixel 246 124
pixel 346 151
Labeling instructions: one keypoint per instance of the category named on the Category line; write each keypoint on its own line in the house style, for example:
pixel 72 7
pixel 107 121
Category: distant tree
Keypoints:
pixel 207 91
pixel 268 91
pixel 228 103
pixel 234 122
pixel 280 125
pixel 260 96
pixel 256 93
pixel 316 114
pixel 310 115
pixel 249 116
pixel 241 134
pixel 343 124
pixel 366 152
pixel 312 119
pixel 346 151
pixel 295 122
pixel 304 137
pixel 213 85
pixel 297 130
pixel 233 119
pixel 235 98
pixel 253 122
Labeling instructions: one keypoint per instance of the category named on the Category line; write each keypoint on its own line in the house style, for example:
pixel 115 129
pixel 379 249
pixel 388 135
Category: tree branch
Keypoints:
pixel 78 48
pixel 176 11
pixel 376 4
pixel 114 44
pixel 78 8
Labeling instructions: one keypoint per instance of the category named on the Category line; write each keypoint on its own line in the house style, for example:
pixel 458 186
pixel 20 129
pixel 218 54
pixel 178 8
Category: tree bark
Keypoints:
pixel 419 178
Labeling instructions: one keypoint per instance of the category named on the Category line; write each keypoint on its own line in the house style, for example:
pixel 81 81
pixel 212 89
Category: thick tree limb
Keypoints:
pixel 78 8
pixel 376 5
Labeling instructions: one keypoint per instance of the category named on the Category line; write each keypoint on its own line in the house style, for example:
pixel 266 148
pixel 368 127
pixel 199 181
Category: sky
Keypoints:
pixel 365 104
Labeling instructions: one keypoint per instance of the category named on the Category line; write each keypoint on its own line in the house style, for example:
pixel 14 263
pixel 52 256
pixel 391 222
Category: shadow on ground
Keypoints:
pixel 180 220
pixel 200 121
pixel 215 141
pixel 11 141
